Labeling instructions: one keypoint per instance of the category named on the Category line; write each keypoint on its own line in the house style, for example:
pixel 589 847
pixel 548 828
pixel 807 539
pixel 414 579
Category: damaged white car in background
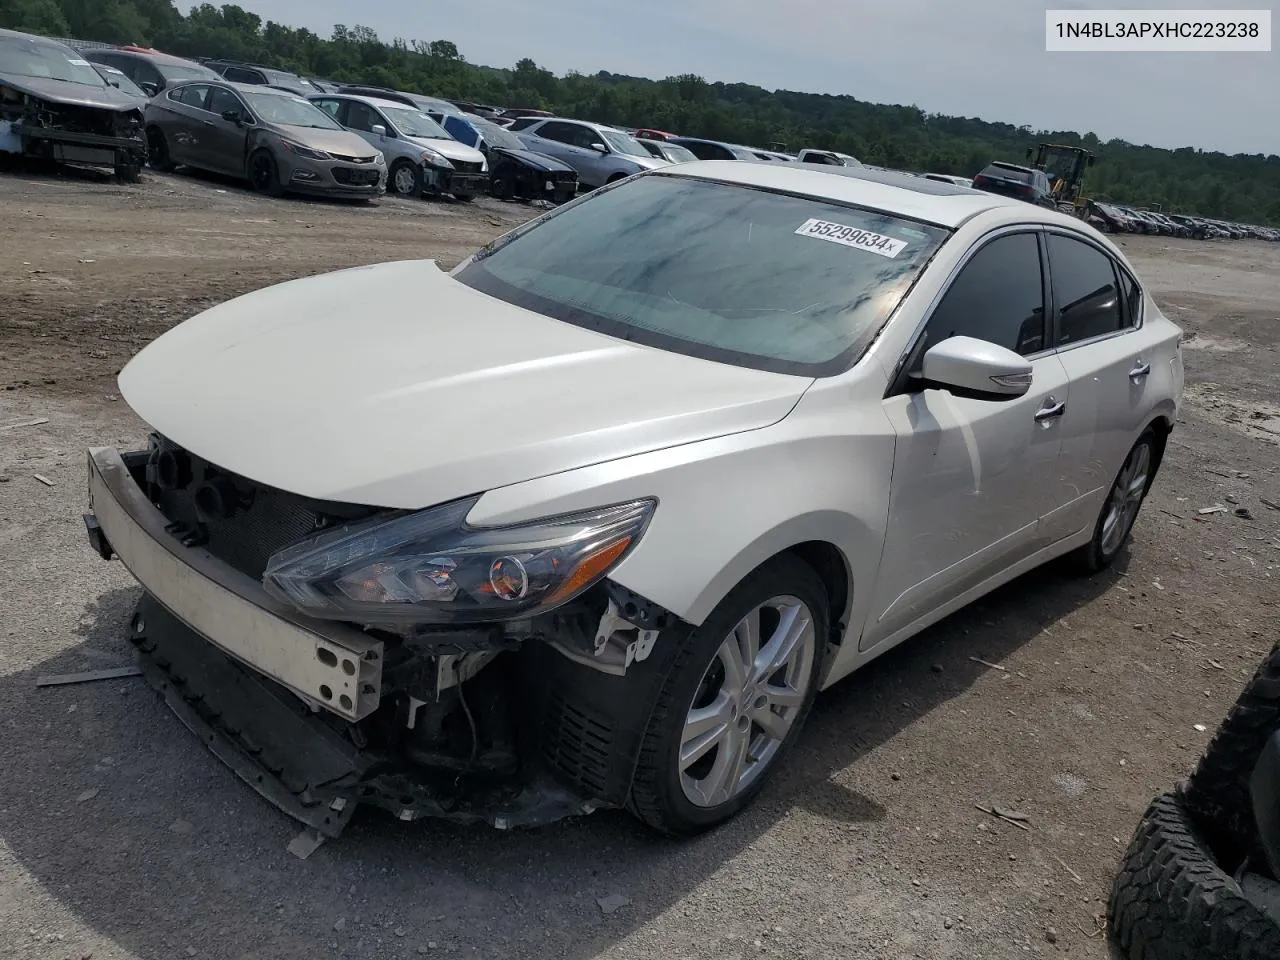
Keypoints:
pixel 591 519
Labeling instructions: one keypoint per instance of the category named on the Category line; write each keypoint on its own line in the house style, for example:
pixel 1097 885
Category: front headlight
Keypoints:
pixel 430 567
pixel 436 159
pixel 301 151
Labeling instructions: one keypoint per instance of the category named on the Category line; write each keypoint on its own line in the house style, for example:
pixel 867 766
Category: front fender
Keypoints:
pixel 728 504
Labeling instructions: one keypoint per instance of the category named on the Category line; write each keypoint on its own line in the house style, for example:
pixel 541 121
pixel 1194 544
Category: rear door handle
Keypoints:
pixel 1140 370
pixel 1051 409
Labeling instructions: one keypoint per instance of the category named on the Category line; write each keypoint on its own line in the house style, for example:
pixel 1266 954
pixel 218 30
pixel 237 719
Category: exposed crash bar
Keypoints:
pixel 328 665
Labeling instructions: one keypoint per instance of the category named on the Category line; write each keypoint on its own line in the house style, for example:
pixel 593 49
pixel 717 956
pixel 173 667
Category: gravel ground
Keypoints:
pixel 121 837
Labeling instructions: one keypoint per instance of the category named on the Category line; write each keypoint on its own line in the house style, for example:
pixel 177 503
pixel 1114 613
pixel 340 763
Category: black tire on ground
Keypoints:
pixel 1097 554
pixel 500 184
pixel 1217 793
pixel 464 197
pixel 263 173
pixel 1171 901
pixel 158 151
pixel 129 172
pixel 405 179
pixel 656 795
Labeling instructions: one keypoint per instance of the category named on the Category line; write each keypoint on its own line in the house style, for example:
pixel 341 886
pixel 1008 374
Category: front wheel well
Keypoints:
pixel 831 567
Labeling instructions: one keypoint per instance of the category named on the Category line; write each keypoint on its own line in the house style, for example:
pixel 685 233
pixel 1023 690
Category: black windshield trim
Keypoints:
pixel 476 276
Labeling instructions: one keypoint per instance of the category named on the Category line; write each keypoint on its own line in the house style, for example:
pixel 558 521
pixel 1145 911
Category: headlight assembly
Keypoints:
pixel 430 567
pixel 301 151
pixel 436 159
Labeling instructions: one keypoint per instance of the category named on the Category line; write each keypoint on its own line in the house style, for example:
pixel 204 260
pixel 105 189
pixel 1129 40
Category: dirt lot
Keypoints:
pixel 120 837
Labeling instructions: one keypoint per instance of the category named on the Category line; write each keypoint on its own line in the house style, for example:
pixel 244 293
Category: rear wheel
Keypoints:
pixel 263 174
pixel 1120 510
pixel 732 700
pixel 158 151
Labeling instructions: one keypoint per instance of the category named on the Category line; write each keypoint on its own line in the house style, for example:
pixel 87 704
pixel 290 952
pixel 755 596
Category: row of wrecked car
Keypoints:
pixel 1114 218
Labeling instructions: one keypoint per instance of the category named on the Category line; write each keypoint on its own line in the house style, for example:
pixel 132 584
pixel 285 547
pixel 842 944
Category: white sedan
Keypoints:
pixel 591 519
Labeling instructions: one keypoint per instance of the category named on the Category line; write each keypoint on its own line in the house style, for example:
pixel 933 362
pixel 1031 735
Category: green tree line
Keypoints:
pixel 1240 187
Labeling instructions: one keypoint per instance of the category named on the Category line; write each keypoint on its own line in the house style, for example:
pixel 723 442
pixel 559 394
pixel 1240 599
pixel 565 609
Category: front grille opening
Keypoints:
pixel 240 522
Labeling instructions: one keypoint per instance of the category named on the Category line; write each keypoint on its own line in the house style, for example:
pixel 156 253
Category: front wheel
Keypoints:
pixel 129 172
pixel 1120 510
pixel 263 174
pixel 464 197
pixel 158 151
pixel 405 179
pixel 732 700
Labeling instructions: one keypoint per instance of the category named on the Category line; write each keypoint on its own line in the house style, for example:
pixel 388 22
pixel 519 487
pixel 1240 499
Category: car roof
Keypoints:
pixel 154 55
pixel 1011 166
pixel 585 123
pixel 370 101
pixel 932 201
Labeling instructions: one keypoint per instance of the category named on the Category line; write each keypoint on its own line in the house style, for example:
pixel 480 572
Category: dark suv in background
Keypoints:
pixel 1011 180
pixel 151 70
pixel 262 76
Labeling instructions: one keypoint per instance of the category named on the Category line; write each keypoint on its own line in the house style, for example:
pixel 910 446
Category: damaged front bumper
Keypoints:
pixel 320 717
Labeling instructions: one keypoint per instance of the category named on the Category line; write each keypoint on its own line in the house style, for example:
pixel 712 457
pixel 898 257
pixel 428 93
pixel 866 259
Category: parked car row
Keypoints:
pixel 1116 218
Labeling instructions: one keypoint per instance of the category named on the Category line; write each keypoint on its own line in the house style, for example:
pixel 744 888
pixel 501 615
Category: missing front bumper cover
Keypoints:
pixel 308 765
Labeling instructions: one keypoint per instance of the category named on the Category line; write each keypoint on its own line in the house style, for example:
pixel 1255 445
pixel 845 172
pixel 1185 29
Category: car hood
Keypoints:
pixel 341 142
pixel 451 149
pixel 648 163
pixel 397 386
pixel 73 94
pixel 539 161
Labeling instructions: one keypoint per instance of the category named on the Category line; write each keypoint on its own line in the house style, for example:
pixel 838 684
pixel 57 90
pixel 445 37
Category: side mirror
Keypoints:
pixel 976 369
pixel 150 89
pixel 599 148
pixel 232 116
pixel 378 130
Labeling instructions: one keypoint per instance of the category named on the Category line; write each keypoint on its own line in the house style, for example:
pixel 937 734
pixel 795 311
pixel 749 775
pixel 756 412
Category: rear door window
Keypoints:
pixel 191 95
pixel 559 131
pixel 1085 290
pixel 241 75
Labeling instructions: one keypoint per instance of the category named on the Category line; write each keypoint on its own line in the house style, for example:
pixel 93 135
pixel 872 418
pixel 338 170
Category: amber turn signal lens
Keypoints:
pixel 591 567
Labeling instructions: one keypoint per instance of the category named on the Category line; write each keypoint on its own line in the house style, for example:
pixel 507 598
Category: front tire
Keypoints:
pixel 158 151
pixel 733 700
pixel 405 179
pixel 1116 519
pixel 464 197
pixel 263 173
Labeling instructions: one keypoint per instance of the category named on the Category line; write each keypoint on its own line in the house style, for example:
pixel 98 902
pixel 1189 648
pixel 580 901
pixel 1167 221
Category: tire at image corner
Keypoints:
pixel 1091 558
pixel 1171 901
pixel 656 796
pixel 1218 792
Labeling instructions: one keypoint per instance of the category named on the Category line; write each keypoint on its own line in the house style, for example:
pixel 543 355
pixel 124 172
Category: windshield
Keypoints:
pixel 290 111
pixel 713 270
pixel 496 136
pixel 621 143
pixel 415 123
pixel 29 57
pixel 677 154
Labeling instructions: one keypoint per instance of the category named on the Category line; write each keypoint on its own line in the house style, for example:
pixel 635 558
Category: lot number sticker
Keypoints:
pixel 853 237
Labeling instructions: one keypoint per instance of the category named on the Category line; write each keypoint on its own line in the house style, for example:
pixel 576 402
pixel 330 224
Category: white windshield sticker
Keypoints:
pixel 852 237
pixel 78 63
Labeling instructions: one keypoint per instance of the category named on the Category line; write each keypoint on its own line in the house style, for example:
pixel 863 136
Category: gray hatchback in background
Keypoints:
pixel 276 140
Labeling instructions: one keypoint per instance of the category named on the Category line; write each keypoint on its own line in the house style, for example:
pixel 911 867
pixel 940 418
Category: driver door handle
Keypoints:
pixel 1051 409
pixel 1140 369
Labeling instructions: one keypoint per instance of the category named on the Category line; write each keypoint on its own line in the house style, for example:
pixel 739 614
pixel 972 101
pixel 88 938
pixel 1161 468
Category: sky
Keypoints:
pixel 972 58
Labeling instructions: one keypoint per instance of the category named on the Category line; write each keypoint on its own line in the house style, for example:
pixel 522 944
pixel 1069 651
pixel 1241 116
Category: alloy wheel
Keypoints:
pixel 1126 498
pixel 405 181
pixel 747 701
